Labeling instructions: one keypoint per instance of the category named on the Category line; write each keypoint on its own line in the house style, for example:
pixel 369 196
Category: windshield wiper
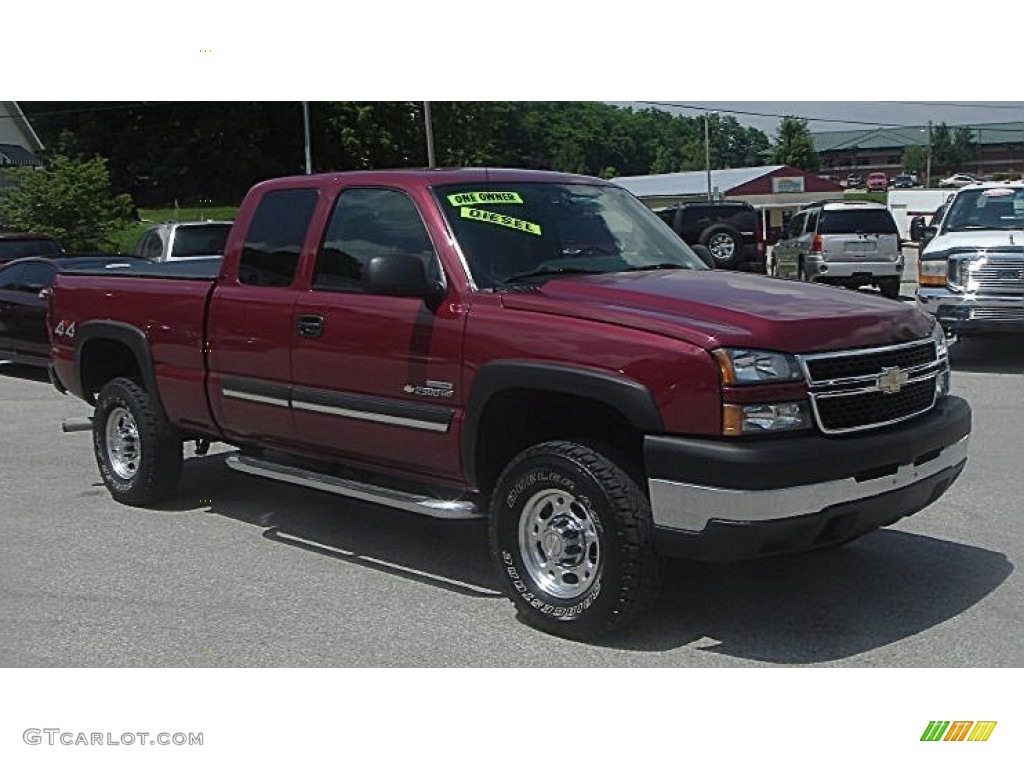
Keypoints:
pixel 548 272
pixel 651 267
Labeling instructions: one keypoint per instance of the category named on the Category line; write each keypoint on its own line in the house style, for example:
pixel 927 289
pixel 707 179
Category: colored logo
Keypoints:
pixel 958 730
pixel 892 380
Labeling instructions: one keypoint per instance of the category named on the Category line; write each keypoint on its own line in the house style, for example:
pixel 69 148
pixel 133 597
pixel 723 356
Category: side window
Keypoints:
pixel 10 278
pixel 796 225
pixel 149 246
pixel 37 276
pixel 273 243
pixel 367 223
pixel 812 220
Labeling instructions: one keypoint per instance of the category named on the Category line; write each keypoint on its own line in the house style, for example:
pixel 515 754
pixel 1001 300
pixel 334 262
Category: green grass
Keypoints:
pixel 874 196
pixel 125 239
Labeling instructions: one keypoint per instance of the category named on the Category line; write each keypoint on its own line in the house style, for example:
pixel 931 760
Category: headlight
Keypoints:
pixel 765 418
pixel 932 272
pixel 752 366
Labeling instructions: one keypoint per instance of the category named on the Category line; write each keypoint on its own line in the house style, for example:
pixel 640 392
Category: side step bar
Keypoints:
pixel 458 509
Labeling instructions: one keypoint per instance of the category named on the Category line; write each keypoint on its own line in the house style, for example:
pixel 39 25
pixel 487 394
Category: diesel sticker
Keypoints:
pixel 501 220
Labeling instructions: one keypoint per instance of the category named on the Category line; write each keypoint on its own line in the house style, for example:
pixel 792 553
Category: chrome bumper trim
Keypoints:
pixel 687 507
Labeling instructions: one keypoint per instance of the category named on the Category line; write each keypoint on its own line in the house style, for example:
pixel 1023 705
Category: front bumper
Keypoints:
pixel 966 313
pixel 721 500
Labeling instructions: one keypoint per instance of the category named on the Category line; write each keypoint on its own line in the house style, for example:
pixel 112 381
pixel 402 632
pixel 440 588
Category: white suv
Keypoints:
pixel 852 244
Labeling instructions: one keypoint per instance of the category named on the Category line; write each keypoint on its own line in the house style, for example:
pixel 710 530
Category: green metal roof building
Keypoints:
pixel 1000 148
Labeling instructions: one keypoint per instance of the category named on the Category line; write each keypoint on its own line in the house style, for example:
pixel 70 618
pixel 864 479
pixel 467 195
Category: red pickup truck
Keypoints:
pixel 533 347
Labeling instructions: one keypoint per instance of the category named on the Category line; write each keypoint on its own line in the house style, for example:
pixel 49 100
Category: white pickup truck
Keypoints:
pixel 971 273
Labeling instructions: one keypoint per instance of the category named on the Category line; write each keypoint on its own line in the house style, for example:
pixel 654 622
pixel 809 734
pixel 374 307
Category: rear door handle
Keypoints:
pixel 310 326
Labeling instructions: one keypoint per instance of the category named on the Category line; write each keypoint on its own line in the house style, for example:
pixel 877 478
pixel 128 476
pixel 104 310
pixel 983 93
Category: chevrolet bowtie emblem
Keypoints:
pixel 892 380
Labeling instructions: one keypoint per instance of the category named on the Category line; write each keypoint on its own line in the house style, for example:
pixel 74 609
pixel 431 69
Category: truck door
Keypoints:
pixel 249 322
pixel 376 378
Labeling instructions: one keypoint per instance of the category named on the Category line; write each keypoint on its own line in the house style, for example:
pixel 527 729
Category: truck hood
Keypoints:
pixel 717 308
pixel 976 238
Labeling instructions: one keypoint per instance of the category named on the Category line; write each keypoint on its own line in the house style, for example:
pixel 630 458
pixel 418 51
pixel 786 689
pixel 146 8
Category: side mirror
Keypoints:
pixel 401 276
pixel 927 235
pixel 917 228
pixel 43 293
pixel 704 254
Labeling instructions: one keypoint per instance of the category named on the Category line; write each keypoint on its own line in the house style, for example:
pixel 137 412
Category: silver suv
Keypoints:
pixel 183 240
pixel 852 244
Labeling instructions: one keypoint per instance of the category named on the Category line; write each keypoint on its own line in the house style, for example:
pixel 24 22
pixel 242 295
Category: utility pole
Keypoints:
pixel 429 126
pixel 309 148
pixel 707 150
pixel 928 160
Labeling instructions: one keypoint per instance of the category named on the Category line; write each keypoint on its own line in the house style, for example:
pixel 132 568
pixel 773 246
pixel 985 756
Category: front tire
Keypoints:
pixel 139 454
pixel 572 537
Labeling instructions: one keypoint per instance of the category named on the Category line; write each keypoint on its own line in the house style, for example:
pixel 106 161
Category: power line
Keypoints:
pixel 772 114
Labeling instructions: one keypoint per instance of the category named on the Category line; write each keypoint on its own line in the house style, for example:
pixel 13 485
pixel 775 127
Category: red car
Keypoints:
pixel 878 181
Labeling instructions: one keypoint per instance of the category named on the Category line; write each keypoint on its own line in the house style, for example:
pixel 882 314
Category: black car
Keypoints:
pixel 903 181
pixel 24 296
pixel 19 245
pixel 729 229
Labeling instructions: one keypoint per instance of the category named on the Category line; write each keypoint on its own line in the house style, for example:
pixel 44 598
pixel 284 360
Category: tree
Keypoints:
pixel 915 159
pixel 70 199
pixel 952 148
pixel 794 145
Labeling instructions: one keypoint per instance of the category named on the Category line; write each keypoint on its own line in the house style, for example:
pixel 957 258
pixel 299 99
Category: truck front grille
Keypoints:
pixel 992 273
pixel 863 389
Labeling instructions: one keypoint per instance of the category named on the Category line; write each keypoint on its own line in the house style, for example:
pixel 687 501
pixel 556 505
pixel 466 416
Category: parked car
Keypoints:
pixel 959 180
pixel 904 181
pixel 183 240
pixel 854 180
pixel 852 244
pixel 18 245
pixel 878 181
pixel 730 229
pixel 24 295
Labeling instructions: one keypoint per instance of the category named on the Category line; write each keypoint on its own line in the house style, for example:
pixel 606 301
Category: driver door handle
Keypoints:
pixel 310 326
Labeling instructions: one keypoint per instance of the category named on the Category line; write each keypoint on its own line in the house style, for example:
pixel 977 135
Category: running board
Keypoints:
pixel 458 509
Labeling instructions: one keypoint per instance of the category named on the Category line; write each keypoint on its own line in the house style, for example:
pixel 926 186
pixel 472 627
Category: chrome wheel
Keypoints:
pixel 722 246
pixel 559 544
pixel 124 451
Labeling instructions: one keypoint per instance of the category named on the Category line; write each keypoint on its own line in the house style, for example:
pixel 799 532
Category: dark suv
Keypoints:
pixel 19 245
pixel 729 229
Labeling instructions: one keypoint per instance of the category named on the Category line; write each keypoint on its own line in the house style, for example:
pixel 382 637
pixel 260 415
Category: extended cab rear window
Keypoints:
pixel 851 222
pixel 274 241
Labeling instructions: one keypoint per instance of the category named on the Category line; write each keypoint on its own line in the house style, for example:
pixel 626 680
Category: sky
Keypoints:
pixel 850 115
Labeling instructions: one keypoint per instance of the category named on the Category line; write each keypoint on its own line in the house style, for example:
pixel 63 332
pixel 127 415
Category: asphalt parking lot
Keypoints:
pixel 239 571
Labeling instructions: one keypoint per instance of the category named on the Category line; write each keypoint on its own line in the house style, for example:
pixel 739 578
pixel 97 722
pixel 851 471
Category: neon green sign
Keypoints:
pixel 490 217
pixel 483 198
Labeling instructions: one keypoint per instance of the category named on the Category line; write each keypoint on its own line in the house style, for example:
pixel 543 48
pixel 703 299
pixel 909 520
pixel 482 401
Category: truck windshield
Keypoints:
pixel 516 233
pixel 989 208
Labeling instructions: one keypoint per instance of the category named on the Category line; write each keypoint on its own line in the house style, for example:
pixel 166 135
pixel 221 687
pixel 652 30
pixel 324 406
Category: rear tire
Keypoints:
pixel 138 452
pixel 572 538
pixel 889 287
